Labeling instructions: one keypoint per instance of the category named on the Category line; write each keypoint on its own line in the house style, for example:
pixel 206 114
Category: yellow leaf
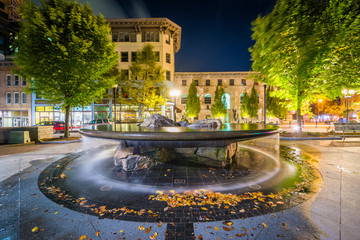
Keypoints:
pixel 97 233
pixel 154 236
pixel 265 225
pixel 62 175
pixel 56 212
pixel 216 228
pixel 82 237
pixel 203 208
pixel 121 231
pixel 226 228
pixel 200 237
pixel 148 230
pixel 34 229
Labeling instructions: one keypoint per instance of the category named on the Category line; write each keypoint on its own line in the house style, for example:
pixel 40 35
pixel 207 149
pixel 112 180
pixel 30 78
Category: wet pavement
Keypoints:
pixel 332 213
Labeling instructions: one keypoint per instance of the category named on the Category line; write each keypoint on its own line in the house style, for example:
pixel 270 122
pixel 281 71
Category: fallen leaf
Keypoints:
pixel 97 233
pixel 34 229
pixel 200 237
pixel 154 236
pixel 265 225
pixel 160 224
pixel 203 208
pixel 148 230
pixel 229 223
pixel 82 237
pixel 216 228
pixel 121 231
pixel 226 229
pixel 62 175
pixel 284 224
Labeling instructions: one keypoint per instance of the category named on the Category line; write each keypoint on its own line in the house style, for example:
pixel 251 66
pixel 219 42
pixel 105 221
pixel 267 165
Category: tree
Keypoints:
pixel 287 48
pixel 244 105
pixel 253 103
pixel 146 87
pixel 64 51
pixel 193 102
pixel 276 106
pixel 218 109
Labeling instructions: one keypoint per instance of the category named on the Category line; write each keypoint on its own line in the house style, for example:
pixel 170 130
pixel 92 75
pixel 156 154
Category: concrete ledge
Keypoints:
pixel 309 138
pixel 35 132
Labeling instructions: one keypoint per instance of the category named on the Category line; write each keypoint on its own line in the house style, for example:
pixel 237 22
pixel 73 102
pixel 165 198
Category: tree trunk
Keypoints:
pixel 67 114
pixel 298 117
pixel 140 113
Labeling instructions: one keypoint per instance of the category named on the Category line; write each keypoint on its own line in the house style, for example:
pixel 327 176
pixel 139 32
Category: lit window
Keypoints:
pixel 231 82
pixel 133 37
pixel 16 97
pixel 196 82
pixel 183 99
pixel 24 98
pixel 150 37
pixel 8 98
pixel 168 76
pixel 124 37
pixel 207 82
pixel 219 81
pixel 168 58
pixel 183 82
pixel 124 56
pixel 8 80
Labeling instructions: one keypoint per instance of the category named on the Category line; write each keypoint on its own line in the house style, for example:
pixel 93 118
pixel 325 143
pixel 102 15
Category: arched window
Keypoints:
pixel 226 99
pixel 207 99
pixel 183 99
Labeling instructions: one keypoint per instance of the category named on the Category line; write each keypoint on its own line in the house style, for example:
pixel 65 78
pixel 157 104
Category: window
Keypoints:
pixel 150 37
pixel 207 99
pixel 133 37
pixel 124 37
pixel 115 37
pixel 23 98
pixel 231 82
pixel 16 80
pixel 23 81
pixel 157 54
pixel 207 82
pixel 16 97
pixel 183 83
pixel 219 81
pixel 8 98
pixel 207 107
pixel 8 80
pixel 168 58
pixel 243 82
pixel 168 76
pixel 183 99
pixel 241 97
pixel 133 56
pixel 196 82
pixel 167 38
pixel 124 56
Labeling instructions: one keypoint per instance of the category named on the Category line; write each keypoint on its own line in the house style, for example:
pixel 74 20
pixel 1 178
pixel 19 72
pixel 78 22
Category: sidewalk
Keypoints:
pixel 331 214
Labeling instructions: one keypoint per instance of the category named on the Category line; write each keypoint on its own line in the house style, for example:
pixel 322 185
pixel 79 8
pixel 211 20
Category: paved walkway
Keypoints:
pixel 331 214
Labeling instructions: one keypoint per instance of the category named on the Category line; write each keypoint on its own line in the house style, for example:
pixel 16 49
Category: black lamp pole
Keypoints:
pixel 264 103
pixel 115 107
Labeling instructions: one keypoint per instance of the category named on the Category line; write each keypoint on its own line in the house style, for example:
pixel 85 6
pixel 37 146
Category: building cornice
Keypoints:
pixel 240 73
pixel 162 23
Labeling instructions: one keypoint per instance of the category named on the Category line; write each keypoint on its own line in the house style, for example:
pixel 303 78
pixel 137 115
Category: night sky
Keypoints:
pixel 216 34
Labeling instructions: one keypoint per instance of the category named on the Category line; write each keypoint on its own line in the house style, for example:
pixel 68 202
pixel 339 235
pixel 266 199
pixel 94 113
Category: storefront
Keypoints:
pixel 9 118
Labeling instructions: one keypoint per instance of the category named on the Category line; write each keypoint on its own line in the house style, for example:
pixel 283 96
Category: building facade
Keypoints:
pixel 234 83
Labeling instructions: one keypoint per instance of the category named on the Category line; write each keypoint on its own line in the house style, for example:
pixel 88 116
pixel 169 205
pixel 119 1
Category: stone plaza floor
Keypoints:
pixel 332 213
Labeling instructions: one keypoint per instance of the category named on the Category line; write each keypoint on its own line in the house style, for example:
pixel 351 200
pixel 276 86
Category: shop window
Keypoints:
pixel 219 81
pixel 207 82
pixel 23 98
pixel 168 58
pixel 183 83
pixel 168 75
pixel 243 82
pixel 183 99
pixel 133 56
pixel 124 56
pixel 16 80
pixel 8 98
pixel 231 82
pixel 8 79
pixel 16 97
pixel 207 99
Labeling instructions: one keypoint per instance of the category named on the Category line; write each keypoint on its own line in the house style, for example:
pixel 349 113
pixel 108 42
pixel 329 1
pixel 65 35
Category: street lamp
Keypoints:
pixel 347 95
pixel 115 86
pixel 174 93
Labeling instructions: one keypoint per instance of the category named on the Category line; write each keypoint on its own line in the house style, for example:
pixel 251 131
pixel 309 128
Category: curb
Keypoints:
pixel 60 142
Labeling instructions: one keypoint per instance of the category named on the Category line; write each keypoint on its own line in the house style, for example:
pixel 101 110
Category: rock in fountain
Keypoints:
pixel 206 123
pixel 158 120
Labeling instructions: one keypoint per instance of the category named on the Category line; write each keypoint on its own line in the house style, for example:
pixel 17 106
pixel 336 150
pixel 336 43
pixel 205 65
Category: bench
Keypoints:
pixel 346 128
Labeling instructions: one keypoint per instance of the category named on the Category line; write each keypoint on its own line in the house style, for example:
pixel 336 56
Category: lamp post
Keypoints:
pixel 115 86
pixel 317 118
pixel 347 95
pixel 174 93
pixel 264 103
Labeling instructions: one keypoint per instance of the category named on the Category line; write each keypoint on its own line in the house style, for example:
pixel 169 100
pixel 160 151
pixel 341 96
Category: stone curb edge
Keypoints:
pixel 310 138
pixel 59 142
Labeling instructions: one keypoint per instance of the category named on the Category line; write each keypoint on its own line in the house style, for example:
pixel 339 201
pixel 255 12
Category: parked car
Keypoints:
pixel 100 122
pixel 58 126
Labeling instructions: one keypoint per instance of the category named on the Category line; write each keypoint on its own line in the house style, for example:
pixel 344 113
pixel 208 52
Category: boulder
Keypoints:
pixel 206 123
pixel 136 162
pixel 158 120
pixel 184 123
pixel 122 151
pixel 218 153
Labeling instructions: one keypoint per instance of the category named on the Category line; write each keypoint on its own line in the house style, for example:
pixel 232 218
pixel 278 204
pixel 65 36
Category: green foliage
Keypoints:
pixel 193 102
pixel 275 106
pixel 253 104
pixel 64 51
pixel 244 105
pixel 218 108
pixel 146 87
